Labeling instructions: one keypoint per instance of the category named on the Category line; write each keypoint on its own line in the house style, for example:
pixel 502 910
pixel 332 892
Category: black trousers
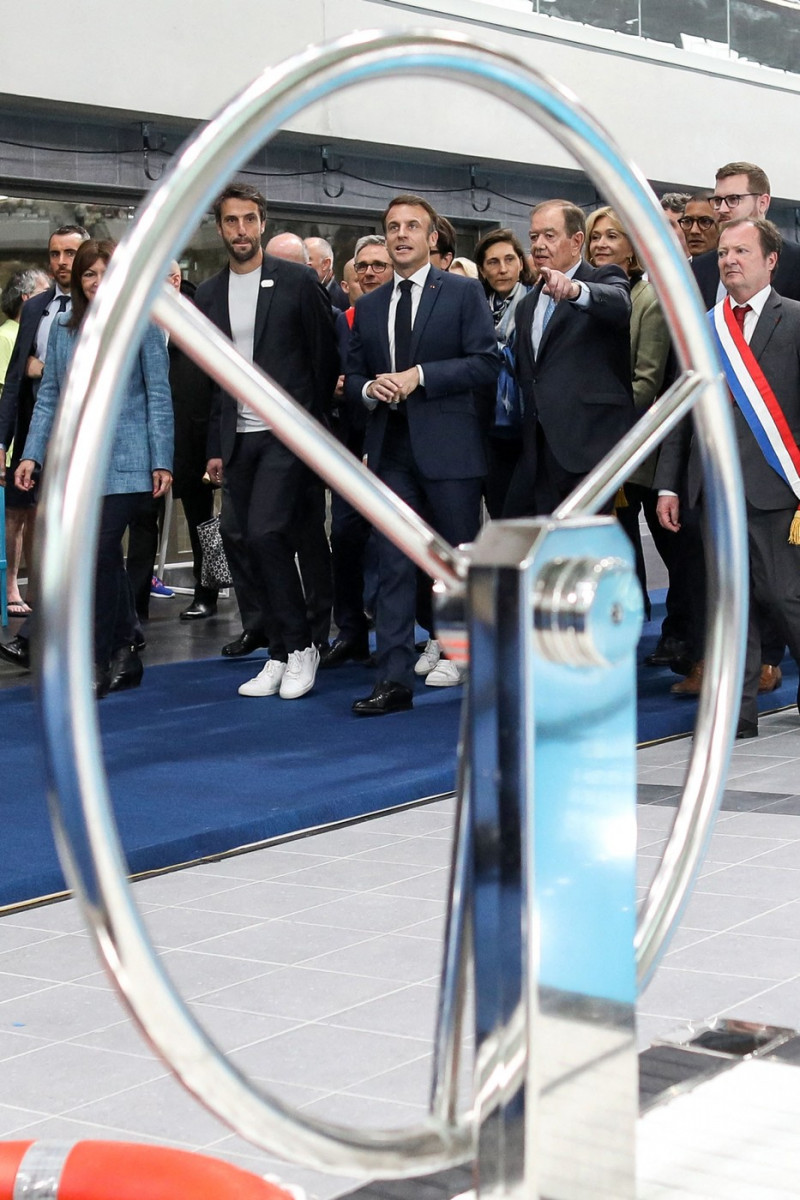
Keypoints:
pixel 453 506
pixel 143 537
pixel 539 482
pixel 676 555
pixel 774 592
pixel 503 454
pixel 114 612
pixel 198 506
pixel 267 486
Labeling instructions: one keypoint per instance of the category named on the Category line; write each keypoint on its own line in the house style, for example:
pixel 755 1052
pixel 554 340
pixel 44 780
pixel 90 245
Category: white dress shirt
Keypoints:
pixel 756 303
pixel 418 281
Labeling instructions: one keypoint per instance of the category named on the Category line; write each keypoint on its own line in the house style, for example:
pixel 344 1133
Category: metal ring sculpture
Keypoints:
pixel 85 829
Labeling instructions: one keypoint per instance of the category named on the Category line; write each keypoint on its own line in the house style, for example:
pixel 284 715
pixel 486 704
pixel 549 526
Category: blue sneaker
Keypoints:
pixel 160 589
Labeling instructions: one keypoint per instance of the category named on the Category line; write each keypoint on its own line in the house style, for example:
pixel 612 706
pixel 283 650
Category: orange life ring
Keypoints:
pixel 127 1171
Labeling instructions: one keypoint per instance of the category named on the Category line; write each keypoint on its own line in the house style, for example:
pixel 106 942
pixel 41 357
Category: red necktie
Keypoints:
pixel 739 313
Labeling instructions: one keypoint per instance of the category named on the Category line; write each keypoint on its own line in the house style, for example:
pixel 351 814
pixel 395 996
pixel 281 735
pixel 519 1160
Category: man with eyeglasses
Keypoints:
pixel 699 224
pixel 743 190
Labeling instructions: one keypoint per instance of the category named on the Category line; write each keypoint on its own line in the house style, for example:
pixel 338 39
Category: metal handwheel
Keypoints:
pixel 132 290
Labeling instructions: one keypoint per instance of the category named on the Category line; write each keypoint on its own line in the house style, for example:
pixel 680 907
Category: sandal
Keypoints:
pixel 18 608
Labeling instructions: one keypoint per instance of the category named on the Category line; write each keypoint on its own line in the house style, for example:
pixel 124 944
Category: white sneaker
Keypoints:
pixel 429 658
pixel 301 671
pixel 445 674
pixel 267 682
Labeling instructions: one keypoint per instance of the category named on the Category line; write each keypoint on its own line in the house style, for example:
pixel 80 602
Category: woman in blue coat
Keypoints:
pixel 141 463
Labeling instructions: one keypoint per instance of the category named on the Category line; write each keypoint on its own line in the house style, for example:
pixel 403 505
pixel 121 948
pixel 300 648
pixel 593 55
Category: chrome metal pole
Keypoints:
pixel 80 450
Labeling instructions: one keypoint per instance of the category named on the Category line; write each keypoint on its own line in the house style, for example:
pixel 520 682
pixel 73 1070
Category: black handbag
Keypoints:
pixel 215 572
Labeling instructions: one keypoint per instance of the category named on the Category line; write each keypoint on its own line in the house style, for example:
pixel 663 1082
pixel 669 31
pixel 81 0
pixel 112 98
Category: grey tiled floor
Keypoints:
pixel 314 964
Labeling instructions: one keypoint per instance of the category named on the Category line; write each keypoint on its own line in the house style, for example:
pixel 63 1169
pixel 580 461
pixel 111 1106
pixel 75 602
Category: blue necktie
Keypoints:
pixel 548 312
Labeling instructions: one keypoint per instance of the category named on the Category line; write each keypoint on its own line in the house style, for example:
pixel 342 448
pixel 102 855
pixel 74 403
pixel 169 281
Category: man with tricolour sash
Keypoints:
pixel 758 336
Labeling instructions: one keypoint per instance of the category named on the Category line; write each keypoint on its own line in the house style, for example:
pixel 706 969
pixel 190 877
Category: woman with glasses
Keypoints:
pixel 141 463
pixel 506 278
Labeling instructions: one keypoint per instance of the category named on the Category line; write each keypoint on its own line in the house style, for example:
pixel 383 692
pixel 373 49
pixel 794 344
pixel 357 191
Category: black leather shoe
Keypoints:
pixel 198 610
pixel 126 669
pixel 667 650
pixel 101 682
pixel 682 665
pixel 387 697
pixel 746 729
pixel 246 643
pixel 342 651
pixel 17 652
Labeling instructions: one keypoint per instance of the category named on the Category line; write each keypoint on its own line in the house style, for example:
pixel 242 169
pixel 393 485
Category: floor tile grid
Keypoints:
pixel 203 876
pixel 743 840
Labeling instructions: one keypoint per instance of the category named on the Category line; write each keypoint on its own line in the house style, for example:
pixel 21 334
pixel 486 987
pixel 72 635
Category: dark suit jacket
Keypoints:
pixel 294 342
pixel 338 296
pixel 786 281
pixel 776 346
pixel 578 388
pixel 19 392
pixel 453 340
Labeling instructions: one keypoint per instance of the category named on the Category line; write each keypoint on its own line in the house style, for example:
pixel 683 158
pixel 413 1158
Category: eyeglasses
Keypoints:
pixel 732 201
pixel 361 268
pixel 703 223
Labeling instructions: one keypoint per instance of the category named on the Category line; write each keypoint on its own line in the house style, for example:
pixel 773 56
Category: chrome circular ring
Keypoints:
pixel 85 830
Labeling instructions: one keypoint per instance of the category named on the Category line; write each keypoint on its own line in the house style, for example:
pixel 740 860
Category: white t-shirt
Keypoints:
pixel 242 301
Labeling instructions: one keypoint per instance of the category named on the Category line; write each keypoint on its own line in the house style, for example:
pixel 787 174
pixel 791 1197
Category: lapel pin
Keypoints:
pixel 268 283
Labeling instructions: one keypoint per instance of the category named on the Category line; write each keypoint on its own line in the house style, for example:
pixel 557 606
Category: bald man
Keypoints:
pixel 320 257
pixel 289 247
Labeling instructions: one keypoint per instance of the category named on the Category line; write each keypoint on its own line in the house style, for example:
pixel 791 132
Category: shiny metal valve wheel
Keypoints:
pixel 131 291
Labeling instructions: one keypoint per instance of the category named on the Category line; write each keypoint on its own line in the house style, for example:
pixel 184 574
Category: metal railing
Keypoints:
pixel 86 836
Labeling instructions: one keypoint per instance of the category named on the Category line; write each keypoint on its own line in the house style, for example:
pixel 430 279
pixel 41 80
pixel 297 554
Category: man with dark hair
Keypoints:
pixel 278 318
pixel 573 363
pixel 240 191
pixel 24 374
pixel 743 190
pixel 443 252
pixel 673 204
pixel 422 349
pixel 758 332
pixel 699 224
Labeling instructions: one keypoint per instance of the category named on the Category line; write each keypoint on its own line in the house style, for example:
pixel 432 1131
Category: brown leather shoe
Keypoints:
pixel 770 679
pixel 690 686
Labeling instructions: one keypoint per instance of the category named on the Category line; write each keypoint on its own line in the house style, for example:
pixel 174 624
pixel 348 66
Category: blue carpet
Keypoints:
pixel 662 715
pixel 196 769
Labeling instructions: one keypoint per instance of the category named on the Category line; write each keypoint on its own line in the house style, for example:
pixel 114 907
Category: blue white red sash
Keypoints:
pixel 754 396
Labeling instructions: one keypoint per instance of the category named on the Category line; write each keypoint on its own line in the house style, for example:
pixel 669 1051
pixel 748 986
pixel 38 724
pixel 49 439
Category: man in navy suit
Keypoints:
pixel 573 363
pixel 24 373
pixel 422 352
